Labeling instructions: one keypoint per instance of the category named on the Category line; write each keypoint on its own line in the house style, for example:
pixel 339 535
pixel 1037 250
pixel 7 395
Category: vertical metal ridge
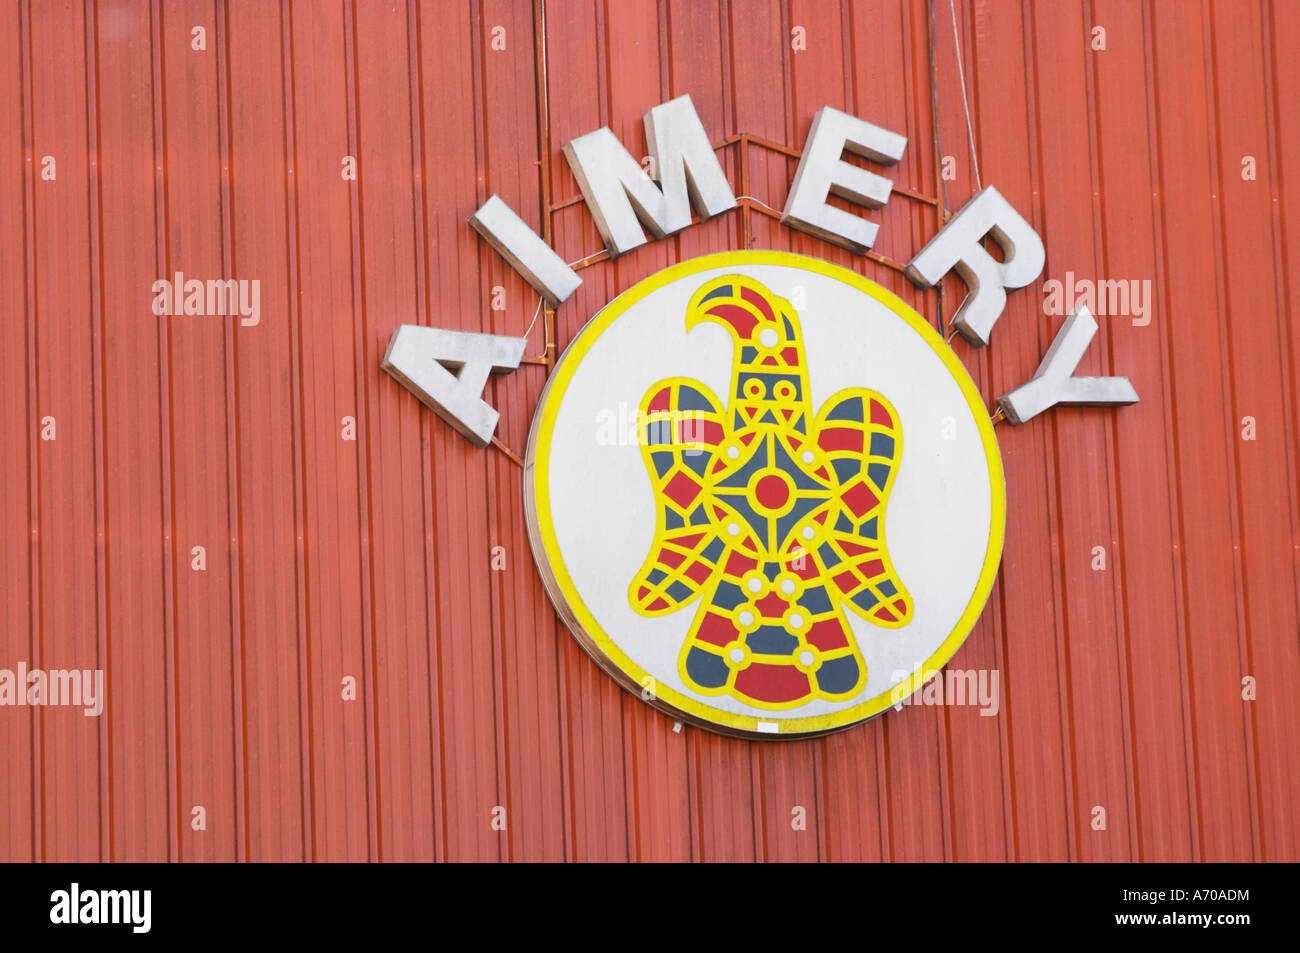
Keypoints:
pixel 1285 327
pixel 999 596
pixel 239 673
pixel 1129 568
pixel 35 586
pixel 1119 592
pixel 947 797
pixel 921 94
pixel 171 648
pixel 306 700
pixel 634 794
pixel 1289 343
pixel 99 400
pixel 564 728
pixel 1233 462
pixel 1287 338
pixel 1051 466
pixel 429 477
pixel 1259 382
pixel 666 82
pixel 791 121
pixel 1178 563
pixel 500 712
pixel 361 404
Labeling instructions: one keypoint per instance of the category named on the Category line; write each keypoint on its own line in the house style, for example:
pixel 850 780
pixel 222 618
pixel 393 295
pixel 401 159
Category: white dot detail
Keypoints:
pixel 733 452
pixel 805 657
pixel 746 617
pixel 807 456
pixel 767 337
pixel 808 532
pixel 738 655
pixel 754 585
pixel 733 529
pixel 787 586
pixel 796 620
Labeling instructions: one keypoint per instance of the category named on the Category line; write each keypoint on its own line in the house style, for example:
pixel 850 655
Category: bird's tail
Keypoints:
pixel 771 638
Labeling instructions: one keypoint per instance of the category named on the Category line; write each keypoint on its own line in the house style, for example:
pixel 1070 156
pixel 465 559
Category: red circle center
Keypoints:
pixel 772 491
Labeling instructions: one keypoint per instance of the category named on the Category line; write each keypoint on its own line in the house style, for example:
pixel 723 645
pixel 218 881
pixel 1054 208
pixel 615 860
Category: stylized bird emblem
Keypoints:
pixel 775 517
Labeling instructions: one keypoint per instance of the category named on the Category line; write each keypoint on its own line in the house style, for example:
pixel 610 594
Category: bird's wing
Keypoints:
pixel 682 423
pixel 858 430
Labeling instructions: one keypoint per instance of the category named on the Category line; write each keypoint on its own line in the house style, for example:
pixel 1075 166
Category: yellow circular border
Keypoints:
pixel 583 625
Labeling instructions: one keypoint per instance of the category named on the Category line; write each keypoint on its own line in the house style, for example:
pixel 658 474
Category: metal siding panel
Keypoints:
pixel 268 476
pixel 1280 25
pixel 68 743
pixel 981 804
pixel 389 436
pixel 1203 434
pixel 209 730
pixel 18 429
pixel 596 709
pixel 995 52
pixel 337 630
pixel 1154 675
pixel 759 52
pixel 138 752
pixel 1082 519
pixel 877 40
pixel 328 558
pixel 466 674
pixel 1257 371
pixel 529 728
pixel 974 751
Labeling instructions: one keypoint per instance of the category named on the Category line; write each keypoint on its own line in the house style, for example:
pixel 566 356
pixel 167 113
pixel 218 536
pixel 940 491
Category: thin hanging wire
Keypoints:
pixel 961 75
pixel 934 110
pixel 541 301
pixel 754 198
pixel 534 321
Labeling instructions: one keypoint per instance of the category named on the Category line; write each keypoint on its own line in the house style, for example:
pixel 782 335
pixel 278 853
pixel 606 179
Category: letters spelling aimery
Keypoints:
pixel 625 203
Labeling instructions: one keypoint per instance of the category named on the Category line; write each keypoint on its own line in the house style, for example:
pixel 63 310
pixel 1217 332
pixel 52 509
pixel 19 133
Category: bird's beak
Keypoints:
pixel 740 322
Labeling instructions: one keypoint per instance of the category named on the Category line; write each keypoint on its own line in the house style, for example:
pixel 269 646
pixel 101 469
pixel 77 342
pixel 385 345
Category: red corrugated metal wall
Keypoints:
pixel 328 558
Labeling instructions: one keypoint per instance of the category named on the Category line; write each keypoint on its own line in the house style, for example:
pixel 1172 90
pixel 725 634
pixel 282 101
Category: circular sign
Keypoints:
pixel 764 494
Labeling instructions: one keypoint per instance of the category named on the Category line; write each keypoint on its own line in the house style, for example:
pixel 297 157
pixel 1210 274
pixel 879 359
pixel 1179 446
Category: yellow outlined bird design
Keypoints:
pixel 773 518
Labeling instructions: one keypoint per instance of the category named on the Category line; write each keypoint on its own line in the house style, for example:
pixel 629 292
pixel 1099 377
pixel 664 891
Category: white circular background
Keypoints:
pixel 603 509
